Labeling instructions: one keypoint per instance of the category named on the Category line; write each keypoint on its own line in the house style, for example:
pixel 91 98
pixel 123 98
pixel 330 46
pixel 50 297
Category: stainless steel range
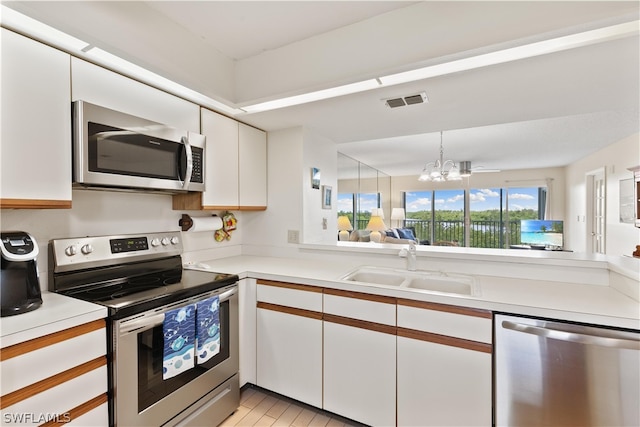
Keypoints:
pixel 173 344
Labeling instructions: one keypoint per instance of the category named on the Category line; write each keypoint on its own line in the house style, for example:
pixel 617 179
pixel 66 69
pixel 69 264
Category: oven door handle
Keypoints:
pixel 227 294
pixel 142 324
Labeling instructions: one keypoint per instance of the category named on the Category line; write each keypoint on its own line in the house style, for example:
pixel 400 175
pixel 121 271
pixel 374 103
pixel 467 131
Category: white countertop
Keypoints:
pixel 595 304
pixel 56 313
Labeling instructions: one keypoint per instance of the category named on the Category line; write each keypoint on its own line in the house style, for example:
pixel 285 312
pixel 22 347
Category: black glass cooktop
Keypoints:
pixel 131 295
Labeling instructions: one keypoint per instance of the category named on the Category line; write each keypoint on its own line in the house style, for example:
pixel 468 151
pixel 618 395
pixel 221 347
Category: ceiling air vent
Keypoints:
pixel 419 98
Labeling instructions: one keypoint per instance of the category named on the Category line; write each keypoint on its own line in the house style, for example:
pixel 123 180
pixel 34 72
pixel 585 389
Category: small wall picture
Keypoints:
pixel 315 178
pixel 326 197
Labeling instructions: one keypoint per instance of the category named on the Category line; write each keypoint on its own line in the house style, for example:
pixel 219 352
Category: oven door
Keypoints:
pixel 141 396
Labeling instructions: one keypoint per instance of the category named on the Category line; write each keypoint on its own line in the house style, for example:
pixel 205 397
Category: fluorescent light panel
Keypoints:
pixel 515 53
pixel 499 57
pixel 313 96
pixel 39 31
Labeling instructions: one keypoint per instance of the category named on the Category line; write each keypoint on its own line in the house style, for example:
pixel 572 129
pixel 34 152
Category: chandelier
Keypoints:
pixel 440 170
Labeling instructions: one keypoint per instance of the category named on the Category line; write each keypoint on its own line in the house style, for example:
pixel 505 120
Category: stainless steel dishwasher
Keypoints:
pixel 561 374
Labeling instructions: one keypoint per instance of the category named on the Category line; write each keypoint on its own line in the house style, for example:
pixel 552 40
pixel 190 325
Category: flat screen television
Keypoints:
pixel 543 234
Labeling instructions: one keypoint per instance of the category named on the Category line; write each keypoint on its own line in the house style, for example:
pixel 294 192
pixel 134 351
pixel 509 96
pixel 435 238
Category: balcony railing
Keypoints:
pixel 483 234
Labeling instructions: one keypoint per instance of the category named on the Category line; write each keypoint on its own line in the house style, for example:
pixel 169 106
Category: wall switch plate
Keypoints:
pixel 324 223
pixel 293 236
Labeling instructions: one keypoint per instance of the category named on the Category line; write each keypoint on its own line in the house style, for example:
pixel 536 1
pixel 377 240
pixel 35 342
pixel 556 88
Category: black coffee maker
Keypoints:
pixel 19 282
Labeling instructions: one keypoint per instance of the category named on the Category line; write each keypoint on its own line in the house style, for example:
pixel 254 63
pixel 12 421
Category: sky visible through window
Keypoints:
pixel 480 199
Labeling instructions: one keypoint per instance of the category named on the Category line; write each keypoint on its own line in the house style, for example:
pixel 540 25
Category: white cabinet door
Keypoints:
pixel 289 340
pixel 35 169
pixel 221 162
pixel 442 385
pixel 360 374
pixel 252 152
pixel 444 373
pixel 103 87
pixel 360 356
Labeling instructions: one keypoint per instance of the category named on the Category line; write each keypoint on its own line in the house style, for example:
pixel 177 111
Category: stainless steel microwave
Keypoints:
pixel 112 149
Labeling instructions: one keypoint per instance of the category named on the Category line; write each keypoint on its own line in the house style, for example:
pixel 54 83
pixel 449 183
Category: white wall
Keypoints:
pixel 321 153
pixel 293 204
pixel 284 189
pixel 621 238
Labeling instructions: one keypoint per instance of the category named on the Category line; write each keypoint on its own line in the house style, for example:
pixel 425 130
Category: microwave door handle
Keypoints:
pixel 189 171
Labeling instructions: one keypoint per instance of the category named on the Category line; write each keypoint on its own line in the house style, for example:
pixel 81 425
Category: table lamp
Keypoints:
pixel 344 226
pixel 376 225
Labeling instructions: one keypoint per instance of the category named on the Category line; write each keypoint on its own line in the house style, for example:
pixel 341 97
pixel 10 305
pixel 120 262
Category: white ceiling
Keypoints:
pixel 545 111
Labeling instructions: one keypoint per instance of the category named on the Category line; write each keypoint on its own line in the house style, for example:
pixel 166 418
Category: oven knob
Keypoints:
pixel 175 240
pixel 155 242
pixel 165 241
pixel 71 250
pixel 87 249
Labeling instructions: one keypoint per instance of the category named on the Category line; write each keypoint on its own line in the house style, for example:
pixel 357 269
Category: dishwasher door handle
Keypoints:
pixel 577 337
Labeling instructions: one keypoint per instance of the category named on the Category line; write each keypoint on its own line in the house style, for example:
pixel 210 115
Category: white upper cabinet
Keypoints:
pixel 235 167
pixel 100 86
pixel 221 172
pixel 35 138
pixel 252 181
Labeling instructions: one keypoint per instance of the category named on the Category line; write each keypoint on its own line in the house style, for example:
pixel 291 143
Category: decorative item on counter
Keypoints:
pixel 636 253
pixel 211 223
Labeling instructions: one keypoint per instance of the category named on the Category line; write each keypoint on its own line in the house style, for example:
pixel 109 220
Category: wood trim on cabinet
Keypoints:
pixel 290 310
pixel 187 201
pixel 296 286
pixel 34 204
pixel 445 340
pixel 475 312
pixel 252 208
pixel 79 410
pixel 362 324
pixel 53 381
pixel 47 340
pixel 360 295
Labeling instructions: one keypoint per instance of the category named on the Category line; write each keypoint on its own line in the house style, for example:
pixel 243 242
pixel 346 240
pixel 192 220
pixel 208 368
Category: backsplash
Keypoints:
pixel 97 213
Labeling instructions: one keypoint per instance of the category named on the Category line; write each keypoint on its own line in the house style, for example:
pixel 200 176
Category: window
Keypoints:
pixel 358 206
pixel 494 215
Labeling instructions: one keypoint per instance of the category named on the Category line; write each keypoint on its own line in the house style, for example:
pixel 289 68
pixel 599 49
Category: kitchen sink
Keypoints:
pixel 420 280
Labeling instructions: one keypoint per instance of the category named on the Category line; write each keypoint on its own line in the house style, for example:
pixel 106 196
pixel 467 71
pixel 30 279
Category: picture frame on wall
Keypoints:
pixel 326 197
pixel 315 178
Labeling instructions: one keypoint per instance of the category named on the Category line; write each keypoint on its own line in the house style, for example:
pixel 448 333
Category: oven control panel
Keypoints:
pixel 129 245
pixel 87 252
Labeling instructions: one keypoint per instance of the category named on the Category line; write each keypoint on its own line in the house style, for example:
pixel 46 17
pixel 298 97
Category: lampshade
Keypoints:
pixel 344 224
pixel 377 212
pixel 397 213
pixel 376 224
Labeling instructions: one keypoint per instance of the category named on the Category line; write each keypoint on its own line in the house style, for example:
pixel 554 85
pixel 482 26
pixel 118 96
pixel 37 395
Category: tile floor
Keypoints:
pixel 259 407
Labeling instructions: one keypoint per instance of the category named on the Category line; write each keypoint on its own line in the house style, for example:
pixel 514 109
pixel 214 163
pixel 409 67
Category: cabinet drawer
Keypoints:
pixel 360 306
pixel 457 322
pixel 290 295
pixel 61 398
pixel 49 360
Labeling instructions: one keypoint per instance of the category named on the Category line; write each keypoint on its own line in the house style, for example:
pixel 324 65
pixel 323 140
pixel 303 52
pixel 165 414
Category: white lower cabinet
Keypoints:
pixel 61 376
pixel 360 357
pixel 443 380
pixel 289 340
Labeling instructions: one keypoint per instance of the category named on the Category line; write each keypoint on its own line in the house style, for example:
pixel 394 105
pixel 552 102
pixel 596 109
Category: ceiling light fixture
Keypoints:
pixel 440 170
